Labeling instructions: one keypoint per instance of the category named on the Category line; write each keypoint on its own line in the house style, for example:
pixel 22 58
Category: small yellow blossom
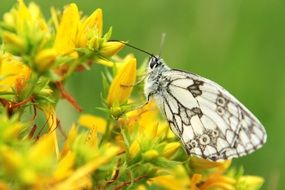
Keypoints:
pixel 196 178
pixel 123 82
pixel 69 141
pixel 14 42
pixel 110 48
pixel 90 121
pixel 10 158
pixel 4 186
pixel 134 149
pixel 177 178
pixel 218 181
pixel 67 29
pixel 13 73
pixel 90 26
pixel 65 166
pixel 250 182
pixel 42 149
pixel 50 115
pixel 86 169
pixel 45 59
pixel 202 164
pixel 150 155
pixel 170 149
pixel 28 29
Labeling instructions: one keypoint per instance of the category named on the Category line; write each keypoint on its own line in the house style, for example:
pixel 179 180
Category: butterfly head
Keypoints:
pixel 155 63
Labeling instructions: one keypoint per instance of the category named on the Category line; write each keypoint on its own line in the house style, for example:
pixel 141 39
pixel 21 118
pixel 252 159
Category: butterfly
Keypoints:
pixel 209 121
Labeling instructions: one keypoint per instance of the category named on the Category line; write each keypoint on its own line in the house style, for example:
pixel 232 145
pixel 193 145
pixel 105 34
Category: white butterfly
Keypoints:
pixel 210 122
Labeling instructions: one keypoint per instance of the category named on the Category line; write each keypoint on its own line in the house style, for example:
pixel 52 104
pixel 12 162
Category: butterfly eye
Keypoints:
pixel 153 62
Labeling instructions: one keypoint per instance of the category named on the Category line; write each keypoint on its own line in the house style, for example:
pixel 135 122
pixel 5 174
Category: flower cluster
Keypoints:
pixel 129 148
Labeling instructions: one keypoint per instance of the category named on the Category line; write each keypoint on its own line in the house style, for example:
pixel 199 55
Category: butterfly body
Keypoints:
pixel 209 121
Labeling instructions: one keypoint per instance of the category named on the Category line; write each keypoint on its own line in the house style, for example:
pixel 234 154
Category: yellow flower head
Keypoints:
pixel 122 85
pixel 91 121
pixel 13 73
pixel 89 27
pixel 134 149
pixel 67 29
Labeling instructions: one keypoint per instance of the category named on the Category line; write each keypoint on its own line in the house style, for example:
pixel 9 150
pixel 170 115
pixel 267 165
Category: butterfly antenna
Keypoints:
pixel 163 35
pixel 127 44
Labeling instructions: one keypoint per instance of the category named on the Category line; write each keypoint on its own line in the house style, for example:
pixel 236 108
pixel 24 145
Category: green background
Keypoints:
pixel 239 44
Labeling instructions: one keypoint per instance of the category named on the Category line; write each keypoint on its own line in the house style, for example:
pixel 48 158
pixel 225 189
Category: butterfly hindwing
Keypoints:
pixel 210 122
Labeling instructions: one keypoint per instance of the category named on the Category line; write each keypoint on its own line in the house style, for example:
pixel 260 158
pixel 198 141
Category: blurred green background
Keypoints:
pixel 239 44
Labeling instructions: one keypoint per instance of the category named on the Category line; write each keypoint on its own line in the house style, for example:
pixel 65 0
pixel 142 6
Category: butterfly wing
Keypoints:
pixel 210 122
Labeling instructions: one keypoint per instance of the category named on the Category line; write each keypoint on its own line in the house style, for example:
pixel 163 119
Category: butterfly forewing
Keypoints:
pixel 210 122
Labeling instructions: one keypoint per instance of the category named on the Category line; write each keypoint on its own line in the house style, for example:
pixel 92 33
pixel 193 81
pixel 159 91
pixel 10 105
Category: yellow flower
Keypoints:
pixel 170 149
pixel 91 121
pixel 14 42
pixel 65 166
pixel 110 48
pixel 90 27
pixel 75 33
pixel 51 118
pixel 29 28
pixel 11 160
pixel 176 179
pixel 134 149
pixel 45 59
pixel 66 32
pixel 122 85
pixel 196 178
pixel 199 164
pixel 218 181
pixel 69 141
pixel 79 176
pixel 150 155
pixel 13 73
pixel 250 182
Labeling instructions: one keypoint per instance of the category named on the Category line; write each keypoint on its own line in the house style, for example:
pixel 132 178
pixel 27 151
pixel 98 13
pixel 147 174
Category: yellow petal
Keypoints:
pixel 218 181
pixel 4 185
pixel 51 118
pixel 170 149
pixel 15 42
pixel 44 149
pixel 196 178
pixel 150 155
pixel 23 16
pixel 168 182
pixel 64 168
pixel 45 59
pixel 90 167
pixel 90 121
pixel 134 149
pixel 122 85
pixel 90 26
pixel 109 49
pixel 11 160
pixel 13 73
pixel 105 62
pixel 251 182
pixel 70 139
pixel 202 164
pixel 66 33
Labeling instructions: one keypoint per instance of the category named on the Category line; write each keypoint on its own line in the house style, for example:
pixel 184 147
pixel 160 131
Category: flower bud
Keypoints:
pixel 122 84
pixel 134 149
pixel 45 59
pixel 170 149
pixel 14 43
pixel 150 155
pixel 110 48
